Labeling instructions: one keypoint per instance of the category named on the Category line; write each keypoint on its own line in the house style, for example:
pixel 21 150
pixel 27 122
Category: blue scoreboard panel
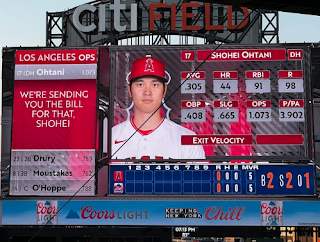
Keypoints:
pixel 211 179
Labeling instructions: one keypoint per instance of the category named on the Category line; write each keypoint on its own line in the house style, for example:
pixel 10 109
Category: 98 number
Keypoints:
pixel 290 85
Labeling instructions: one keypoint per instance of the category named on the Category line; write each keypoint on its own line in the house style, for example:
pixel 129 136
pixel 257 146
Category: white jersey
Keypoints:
pixel 162 143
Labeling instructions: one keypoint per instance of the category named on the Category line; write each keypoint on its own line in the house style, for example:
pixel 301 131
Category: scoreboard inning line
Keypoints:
pixel 211 179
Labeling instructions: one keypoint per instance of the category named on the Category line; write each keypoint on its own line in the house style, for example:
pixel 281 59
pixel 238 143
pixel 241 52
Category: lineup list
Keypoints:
pixel 52 173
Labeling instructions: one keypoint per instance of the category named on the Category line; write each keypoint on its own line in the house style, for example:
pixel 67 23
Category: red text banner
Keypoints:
pixel 40 57
pixel 242 55
pixel 216 139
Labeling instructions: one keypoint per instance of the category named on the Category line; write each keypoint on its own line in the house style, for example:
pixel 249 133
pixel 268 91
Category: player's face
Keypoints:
pixel 147 94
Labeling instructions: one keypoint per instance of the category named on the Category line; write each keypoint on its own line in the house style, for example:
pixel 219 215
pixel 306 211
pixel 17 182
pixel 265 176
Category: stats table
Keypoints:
pixel 211 179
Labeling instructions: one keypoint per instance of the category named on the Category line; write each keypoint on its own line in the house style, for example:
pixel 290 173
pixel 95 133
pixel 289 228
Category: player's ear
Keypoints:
pixel 129 90
pixel 165 89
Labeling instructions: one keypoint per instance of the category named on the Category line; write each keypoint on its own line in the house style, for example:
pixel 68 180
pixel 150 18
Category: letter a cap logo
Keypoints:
pixel 118 176
pixel 149 65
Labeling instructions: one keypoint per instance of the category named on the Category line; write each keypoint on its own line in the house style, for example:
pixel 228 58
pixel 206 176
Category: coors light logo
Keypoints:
pixel 271 213
pixel 46 212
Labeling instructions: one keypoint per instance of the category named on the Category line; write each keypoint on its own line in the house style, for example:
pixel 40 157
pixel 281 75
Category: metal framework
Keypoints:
pixel 61 30
pixel 269 26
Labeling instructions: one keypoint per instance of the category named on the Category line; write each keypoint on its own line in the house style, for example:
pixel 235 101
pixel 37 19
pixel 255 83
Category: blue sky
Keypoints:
pixel 23 23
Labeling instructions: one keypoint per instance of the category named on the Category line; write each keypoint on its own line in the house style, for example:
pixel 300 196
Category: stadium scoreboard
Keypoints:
pixel 243 102
pixel 211 179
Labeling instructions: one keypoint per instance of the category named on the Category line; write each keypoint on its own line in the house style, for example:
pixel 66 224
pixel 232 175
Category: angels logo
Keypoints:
pixel 149 65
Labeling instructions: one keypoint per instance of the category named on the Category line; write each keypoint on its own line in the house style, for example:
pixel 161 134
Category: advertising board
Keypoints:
pixel 235 103
pixel 54 122
pixel 164 213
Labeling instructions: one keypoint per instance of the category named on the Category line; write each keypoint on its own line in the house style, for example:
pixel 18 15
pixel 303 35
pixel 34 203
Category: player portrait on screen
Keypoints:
pixel 159 137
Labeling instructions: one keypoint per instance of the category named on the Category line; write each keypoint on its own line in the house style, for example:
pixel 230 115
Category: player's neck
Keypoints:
pixel 152 123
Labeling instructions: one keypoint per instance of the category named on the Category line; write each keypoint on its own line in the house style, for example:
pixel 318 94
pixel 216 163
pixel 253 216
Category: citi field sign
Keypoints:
pixel 187 15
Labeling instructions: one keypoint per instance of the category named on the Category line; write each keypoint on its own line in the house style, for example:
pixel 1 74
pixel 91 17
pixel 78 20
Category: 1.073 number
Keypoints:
pixel 259 115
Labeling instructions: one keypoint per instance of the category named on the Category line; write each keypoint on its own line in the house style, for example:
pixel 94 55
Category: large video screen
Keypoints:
pixel 54 122
pixel 234 103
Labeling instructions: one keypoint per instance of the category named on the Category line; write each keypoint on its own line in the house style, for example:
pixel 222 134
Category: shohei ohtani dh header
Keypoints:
pixel 242 55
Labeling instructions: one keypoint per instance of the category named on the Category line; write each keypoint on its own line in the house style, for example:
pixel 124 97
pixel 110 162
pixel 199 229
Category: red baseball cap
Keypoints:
pixel 148 66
